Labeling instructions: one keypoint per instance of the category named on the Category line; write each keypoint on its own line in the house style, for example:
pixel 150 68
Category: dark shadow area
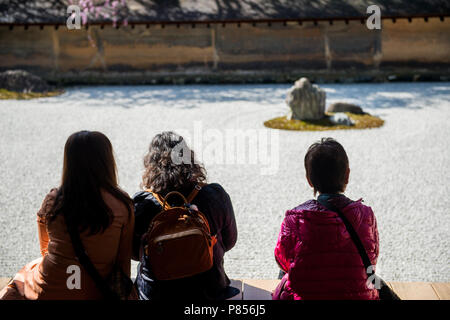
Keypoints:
pixel 277 9
pixel 367 95
pixel 54 11
pixel 231 292
pixel 173 96
pixel 389 95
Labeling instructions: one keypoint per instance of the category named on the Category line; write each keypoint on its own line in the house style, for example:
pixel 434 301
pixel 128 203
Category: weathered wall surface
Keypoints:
pixel 231 52
pixel 417 42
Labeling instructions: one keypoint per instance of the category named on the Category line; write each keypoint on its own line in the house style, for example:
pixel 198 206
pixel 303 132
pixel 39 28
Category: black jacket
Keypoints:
pixel 213 201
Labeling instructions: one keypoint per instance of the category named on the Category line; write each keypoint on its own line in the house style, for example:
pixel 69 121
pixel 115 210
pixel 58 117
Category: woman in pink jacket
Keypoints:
pixel 314 248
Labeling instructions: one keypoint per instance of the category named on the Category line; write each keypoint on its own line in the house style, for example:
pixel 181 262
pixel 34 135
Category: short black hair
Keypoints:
pixel 326 164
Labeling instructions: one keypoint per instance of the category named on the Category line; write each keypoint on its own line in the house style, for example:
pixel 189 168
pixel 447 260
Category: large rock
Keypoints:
pixel 22 81
pixel 307 101
pixel 345 107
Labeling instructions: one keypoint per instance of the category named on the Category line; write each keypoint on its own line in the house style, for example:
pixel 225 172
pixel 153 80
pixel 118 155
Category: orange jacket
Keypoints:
pixel 47 277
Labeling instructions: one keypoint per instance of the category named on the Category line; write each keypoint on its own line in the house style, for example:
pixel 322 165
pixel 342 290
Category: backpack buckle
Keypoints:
pixel 184 218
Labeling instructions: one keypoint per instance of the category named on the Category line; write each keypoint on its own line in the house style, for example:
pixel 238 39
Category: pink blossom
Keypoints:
pixel 83 17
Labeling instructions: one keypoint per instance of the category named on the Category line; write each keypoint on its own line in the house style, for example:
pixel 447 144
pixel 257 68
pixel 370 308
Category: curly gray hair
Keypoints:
pixel 163 172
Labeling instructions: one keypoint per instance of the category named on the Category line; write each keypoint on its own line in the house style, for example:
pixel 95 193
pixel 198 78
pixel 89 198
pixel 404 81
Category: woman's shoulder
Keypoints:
pixel 145 202
pixel 213 188
pixel 144 197
pixel 120 208
pixel 48 203
pixel 307 206
pixel 213 192
pixel 358 208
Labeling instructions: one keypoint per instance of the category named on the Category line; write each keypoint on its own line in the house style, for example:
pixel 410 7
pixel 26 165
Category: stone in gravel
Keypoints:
pixel 342 119
pixel 345 107
pixel 22 81
pixel 307 101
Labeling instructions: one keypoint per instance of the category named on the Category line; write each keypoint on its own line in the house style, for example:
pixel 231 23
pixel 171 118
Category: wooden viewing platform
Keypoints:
pixel 255 289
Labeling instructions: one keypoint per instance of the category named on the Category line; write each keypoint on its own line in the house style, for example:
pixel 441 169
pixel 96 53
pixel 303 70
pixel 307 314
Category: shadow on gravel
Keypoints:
pixel 367 95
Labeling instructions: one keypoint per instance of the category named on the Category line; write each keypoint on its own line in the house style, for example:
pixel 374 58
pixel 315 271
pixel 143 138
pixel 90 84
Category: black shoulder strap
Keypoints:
pixel 356 240
pixel 87 264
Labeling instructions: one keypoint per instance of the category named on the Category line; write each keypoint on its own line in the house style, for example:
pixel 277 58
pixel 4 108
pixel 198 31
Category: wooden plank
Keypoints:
pixel 414 290
pixel 4 282
pixel 389 285
pixel 442 289
pixel 237 284
pixel 255 289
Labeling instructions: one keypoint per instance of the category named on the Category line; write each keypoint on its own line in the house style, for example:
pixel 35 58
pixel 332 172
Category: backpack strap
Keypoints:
pixel 194 193
pixel 158 198
pixel 164 203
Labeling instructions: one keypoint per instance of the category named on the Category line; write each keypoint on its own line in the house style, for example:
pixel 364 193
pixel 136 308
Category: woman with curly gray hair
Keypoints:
pixel 171 166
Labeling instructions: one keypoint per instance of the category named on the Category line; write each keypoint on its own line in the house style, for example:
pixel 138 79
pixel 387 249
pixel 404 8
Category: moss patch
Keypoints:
pixel 365 121
pixel 6 94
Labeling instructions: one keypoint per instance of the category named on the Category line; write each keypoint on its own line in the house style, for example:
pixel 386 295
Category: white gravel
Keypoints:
pixel 401 169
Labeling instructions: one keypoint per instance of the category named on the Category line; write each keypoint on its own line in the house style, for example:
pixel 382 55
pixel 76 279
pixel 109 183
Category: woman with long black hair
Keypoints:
pixel 90 204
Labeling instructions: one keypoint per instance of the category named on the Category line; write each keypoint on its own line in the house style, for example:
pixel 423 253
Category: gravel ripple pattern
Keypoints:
pixel 401 169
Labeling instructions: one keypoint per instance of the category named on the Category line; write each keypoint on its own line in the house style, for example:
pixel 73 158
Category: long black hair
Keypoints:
pixel 89 167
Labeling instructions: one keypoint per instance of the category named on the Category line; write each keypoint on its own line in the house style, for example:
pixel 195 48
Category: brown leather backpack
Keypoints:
pixel 178 243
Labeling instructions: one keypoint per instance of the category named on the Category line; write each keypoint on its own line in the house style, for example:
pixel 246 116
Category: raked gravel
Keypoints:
pixel 401 169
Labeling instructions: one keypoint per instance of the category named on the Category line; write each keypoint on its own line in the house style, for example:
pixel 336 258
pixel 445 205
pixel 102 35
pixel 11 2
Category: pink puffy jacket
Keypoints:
pixel 320 258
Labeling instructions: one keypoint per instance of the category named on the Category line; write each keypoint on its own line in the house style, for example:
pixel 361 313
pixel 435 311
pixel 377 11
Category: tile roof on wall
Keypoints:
pixel 154 11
